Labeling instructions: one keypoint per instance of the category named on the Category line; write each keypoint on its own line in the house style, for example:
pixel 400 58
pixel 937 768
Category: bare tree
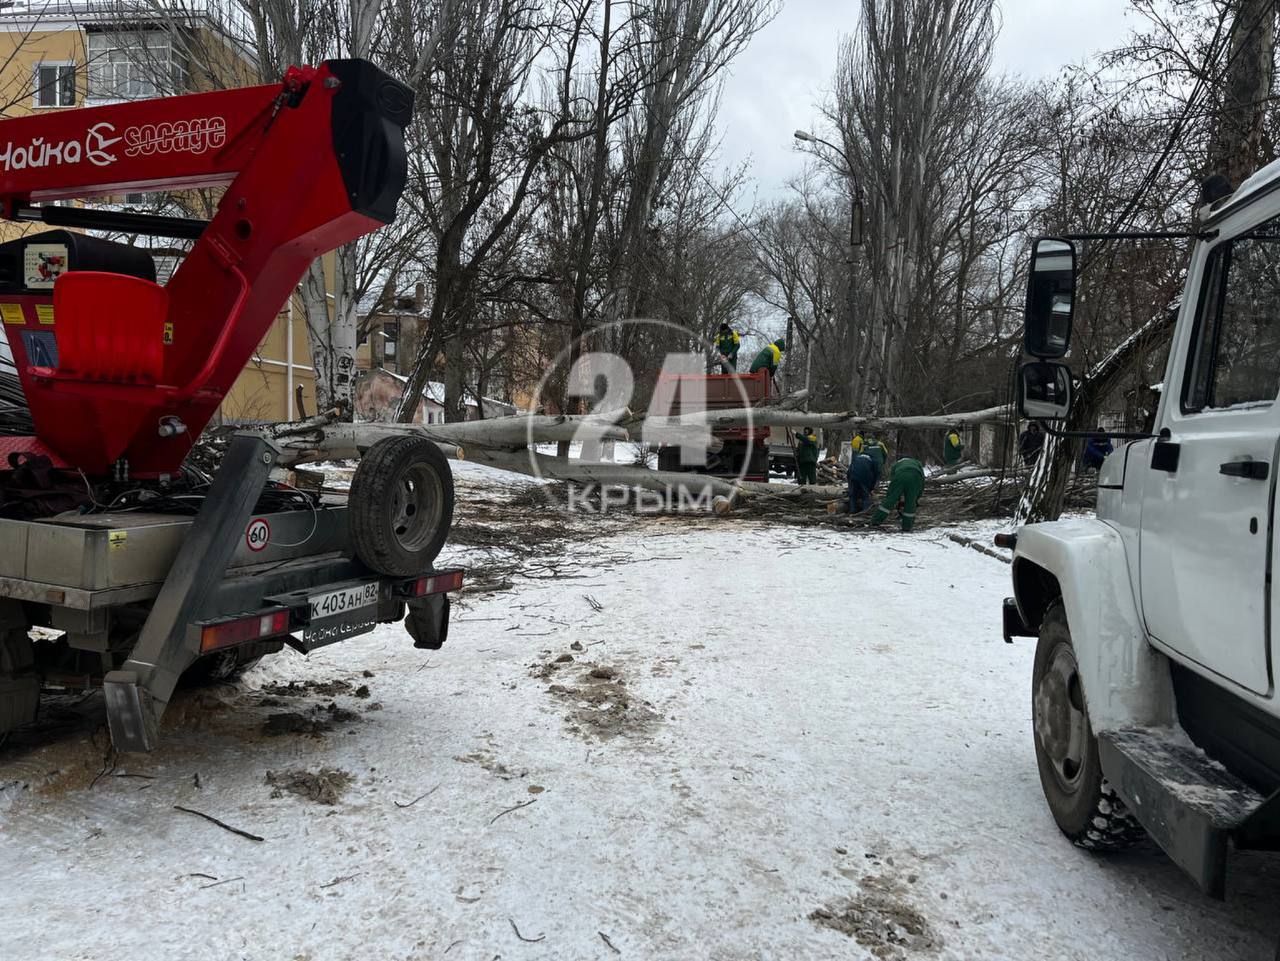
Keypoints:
pixel 906 84
pixel 301 31
pixel 480 140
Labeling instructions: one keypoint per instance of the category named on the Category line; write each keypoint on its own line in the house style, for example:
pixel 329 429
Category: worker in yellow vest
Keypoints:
pixel 770 357
pixel 726 344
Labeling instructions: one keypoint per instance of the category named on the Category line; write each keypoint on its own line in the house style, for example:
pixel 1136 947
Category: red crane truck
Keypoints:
pixel 145 568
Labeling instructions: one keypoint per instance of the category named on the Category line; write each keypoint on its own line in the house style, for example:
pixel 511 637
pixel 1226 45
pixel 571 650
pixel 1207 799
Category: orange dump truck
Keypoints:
pixel 736 450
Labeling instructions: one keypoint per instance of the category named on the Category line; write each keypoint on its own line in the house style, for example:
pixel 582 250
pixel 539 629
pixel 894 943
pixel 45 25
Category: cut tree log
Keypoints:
pixel 347 442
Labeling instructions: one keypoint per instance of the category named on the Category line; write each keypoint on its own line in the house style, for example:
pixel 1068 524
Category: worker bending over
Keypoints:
pixel 906 484
pixel 807 457
pixel 726 343
pixel 862 481
pixel 770 357
pixel 952 448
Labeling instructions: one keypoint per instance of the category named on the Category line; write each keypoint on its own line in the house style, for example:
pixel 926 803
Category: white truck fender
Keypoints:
pixel 1126 681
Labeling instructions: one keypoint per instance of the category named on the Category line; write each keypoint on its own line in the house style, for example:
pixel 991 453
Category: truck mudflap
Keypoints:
pixel 1189 804
pixel 1012 622
pixel 428 621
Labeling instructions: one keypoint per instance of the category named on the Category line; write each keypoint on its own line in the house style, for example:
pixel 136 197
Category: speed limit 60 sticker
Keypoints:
pixel 258 534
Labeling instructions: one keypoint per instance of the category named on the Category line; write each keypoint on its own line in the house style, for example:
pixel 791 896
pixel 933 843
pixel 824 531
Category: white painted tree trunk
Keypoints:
pixel 331 331
pixel 332 321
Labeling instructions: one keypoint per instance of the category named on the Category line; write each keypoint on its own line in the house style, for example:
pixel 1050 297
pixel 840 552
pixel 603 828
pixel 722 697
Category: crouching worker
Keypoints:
pixel 906 484
pixel 862 481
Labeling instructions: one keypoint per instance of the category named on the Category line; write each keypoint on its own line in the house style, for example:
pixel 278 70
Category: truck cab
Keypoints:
pixel 1154 683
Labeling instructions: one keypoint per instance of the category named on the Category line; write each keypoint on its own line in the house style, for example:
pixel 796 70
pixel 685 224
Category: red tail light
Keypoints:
pixel 254 627
pixel 435 584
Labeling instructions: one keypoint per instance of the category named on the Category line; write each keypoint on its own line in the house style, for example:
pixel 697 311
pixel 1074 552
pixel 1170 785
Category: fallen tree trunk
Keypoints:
pixel 695 487
pixel 321 438
pixel 347 442
pixel 840 420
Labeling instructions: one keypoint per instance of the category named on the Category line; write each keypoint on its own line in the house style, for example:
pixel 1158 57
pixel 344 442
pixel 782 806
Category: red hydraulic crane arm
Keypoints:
pixel 310 164
pixel 199 140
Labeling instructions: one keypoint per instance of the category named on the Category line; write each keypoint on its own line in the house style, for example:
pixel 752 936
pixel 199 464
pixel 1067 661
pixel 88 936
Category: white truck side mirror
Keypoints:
pixel 1051 291
pixel 1044 391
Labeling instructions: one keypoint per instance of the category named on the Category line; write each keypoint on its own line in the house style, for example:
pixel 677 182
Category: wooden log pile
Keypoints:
pixel 831 471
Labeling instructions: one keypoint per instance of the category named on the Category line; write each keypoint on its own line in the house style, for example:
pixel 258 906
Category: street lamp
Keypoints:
pixel 855 214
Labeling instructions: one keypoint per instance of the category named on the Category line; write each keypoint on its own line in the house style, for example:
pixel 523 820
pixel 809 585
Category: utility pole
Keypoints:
pixel 855 241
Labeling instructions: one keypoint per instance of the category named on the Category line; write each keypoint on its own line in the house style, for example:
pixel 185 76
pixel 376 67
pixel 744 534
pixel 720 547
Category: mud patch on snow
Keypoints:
pixel 601 704
pixel 882 919
pixel 325 786
pixel 330 688
pixel 69 749
pixel 491 764
pixel 53 769
pixel 317 721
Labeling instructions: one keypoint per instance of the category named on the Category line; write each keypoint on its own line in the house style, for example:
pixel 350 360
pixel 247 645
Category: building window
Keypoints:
pixel 390 334
pixel 55 84
pixel 131 65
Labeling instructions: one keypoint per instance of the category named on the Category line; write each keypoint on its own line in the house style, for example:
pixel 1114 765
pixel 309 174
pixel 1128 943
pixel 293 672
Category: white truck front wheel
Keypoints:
pixel 1084 806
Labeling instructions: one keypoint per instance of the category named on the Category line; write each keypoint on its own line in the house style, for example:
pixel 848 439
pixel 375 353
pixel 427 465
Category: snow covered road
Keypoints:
pixel 780 721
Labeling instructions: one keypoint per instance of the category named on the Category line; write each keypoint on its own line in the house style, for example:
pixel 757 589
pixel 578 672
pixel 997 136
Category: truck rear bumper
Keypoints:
pixel 292 616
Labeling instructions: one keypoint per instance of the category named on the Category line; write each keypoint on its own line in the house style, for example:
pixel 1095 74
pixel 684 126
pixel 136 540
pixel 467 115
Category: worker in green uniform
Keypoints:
pixel 770 357
pixel 726 343
pixel 952 447
pixel 906 484
pixel 874 448
pixel 807 457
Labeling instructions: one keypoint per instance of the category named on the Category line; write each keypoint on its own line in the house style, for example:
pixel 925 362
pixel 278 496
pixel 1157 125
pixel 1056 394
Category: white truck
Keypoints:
pixel 1154 692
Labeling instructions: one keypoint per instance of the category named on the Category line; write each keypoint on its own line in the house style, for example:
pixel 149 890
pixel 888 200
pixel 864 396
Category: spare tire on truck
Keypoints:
pixel 400 507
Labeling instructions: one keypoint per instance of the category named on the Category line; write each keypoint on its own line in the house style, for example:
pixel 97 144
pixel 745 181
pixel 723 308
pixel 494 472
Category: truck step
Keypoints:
pixel 1188 803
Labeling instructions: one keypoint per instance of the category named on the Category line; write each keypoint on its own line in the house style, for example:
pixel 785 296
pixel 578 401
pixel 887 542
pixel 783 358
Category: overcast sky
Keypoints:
pixel 787 69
